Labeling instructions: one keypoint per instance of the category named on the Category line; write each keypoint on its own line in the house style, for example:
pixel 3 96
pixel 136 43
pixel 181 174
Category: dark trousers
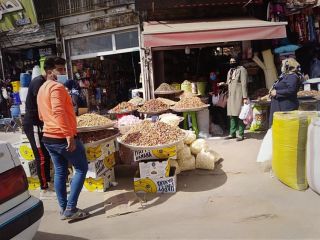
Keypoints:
pixel 41 155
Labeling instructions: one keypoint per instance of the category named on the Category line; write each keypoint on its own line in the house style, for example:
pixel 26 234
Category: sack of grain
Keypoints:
pixel 187 163
pixel 206 159
pixel 198 145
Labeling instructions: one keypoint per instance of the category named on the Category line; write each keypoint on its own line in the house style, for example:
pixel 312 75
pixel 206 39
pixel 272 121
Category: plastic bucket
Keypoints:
pixel 25 79
pixel 15 111
pixel 202 87
pixel 186 86
pixel 176 86
pixel 15 86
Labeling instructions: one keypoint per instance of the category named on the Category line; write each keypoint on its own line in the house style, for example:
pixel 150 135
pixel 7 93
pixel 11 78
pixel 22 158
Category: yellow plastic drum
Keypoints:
pixel 289 132
pixel 15 86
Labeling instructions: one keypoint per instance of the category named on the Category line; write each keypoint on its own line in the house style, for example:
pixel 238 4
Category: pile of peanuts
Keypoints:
pixel 152 134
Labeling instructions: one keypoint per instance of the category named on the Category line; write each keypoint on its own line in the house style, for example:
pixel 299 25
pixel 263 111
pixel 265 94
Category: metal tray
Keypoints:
pixel 191 109
pixel 168 92
pixel 96 128
pixel 133 147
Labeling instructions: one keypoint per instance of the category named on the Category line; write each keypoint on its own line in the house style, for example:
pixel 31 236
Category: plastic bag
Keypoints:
pixel 184 153
pixel 215 99
pixel 265 153
pixel 260 118
pixel 206 159
pixel 245 110
pixel 223 100
pixel 190 138
pixel 198 145
pixel 187 164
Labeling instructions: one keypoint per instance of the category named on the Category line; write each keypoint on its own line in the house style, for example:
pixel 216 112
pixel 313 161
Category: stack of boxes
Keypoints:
pixel 101 162
pixel 28 162
pixel 155 173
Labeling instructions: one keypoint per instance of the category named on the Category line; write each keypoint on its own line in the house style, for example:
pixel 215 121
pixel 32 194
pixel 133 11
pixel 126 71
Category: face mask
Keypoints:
pixel 213 76
pixel 233 65
pixel 62 79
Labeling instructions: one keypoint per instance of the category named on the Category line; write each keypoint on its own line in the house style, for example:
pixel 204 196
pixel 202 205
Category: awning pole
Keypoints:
pixel 2 66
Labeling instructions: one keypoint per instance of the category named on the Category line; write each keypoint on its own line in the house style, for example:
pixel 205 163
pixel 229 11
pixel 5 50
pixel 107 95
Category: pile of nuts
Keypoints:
pixel 167 101
pixel 137 101
pixel 312 93
pixel 152 134
pixel 154 106
pixel 189 103
pixel 92 120
pixel 165 87
pixel 123 108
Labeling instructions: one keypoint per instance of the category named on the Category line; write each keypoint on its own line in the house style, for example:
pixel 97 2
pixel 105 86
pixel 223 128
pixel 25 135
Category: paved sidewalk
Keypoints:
pixel 236 200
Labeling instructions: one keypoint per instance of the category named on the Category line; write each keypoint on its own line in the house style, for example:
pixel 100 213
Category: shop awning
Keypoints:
pixel 162 34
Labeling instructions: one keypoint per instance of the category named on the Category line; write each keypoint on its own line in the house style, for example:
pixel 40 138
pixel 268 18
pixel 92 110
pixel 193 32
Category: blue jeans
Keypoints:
pixel 60 157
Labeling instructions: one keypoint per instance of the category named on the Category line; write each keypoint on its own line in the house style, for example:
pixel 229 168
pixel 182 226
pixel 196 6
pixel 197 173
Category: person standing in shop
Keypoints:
pixel 237 80
pixel 33 128
pixel 60 138
pixel 284 91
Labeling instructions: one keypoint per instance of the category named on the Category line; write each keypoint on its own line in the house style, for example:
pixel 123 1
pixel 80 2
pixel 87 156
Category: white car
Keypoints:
pixel 20 213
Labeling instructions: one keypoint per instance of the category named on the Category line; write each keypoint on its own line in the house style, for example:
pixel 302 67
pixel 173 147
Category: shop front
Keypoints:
pixel 105 63
pixel 191 50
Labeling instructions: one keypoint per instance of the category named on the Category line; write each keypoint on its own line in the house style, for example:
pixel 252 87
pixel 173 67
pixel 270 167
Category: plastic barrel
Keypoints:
pixel 15 86
pixel 202 87
pixel 16 98
pixel 15 111
pixel 25 79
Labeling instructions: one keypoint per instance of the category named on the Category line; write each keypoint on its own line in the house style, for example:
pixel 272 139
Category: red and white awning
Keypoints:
pixel 162 34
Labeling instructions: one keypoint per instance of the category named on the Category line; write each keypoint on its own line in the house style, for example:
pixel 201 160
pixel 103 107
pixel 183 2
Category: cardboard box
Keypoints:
pixel 154 169
pixel 164 153
pixel 29 167
pixel 99 150
pixel 100 167
pixel 157 185
pixel 24 151
pixel 100 184
pixel 33 183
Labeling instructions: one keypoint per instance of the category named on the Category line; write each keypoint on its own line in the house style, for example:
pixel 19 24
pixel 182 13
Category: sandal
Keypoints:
pixel 75 214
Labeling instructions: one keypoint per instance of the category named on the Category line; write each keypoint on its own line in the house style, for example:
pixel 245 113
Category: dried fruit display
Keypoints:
pixel 92 120
pixel 165 87
pixel 123 107
pixel 311 93
pixel 189 103
pixel 152 134
pixel 154 106
pixel 167 101
pixel 88 137
pixel 137 101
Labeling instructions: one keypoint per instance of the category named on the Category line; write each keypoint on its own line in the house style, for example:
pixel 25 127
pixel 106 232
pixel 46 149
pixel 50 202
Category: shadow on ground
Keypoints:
pixel 53 236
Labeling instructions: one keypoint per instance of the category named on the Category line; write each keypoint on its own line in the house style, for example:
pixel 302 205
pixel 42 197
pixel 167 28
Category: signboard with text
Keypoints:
pixel 16 13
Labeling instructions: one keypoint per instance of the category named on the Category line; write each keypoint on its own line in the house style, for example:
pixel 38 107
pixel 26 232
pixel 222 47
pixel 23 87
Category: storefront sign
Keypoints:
pixel 45 52
pixel 16 13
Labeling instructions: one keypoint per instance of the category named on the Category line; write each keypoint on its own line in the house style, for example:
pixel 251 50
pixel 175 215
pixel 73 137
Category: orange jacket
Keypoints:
pixel 56 111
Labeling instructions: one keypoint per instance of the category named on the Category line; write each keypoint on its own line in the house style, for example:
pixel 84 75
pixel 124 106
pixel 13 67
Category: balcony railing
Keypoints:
pixel 54 9
pixel 152 5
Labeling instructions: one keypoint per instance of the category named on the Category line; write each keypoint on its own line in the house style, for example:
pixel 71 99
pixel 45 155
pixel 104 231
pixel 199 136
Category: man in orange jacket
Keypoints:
pixel 60 138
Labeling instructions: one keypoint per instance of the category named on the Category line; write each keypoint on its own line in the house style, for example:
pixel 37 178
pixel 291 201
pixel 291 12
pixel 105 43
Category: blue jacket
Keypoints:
pixel 286 98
